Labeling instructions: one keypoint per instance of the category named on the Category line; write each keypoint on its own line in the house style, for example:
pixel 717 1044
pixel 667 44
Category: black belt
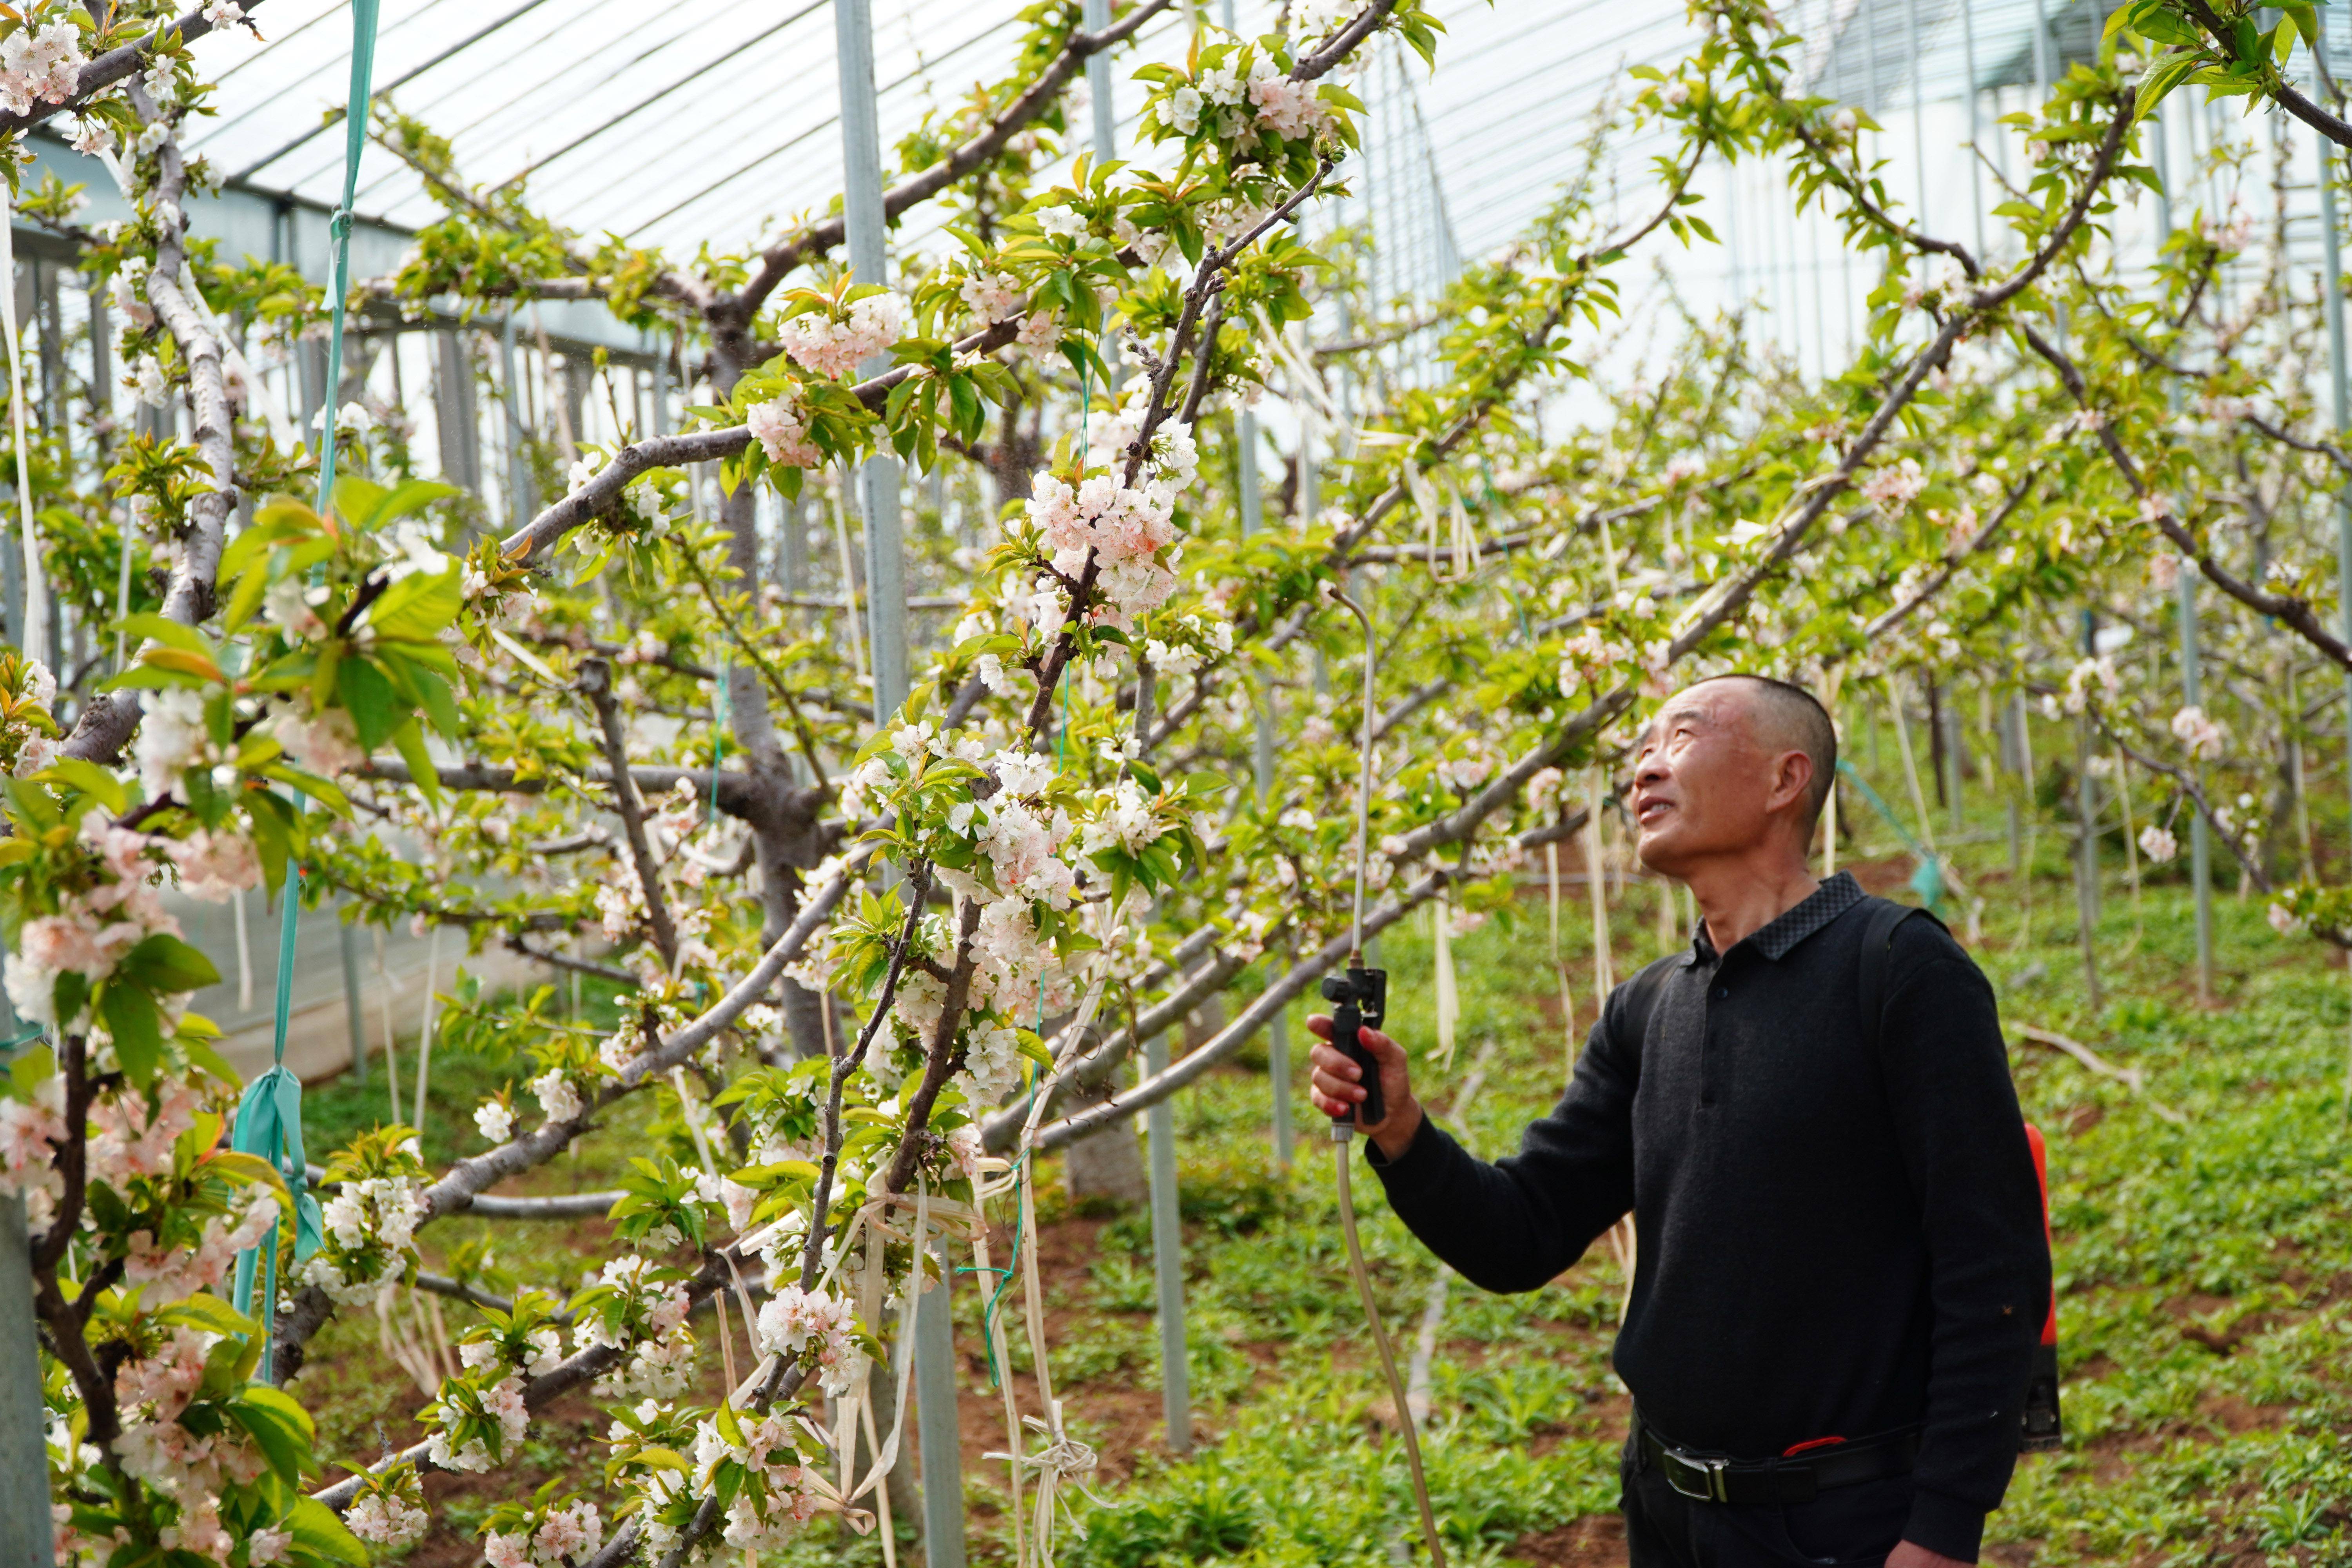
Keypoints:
pixel 1717 1477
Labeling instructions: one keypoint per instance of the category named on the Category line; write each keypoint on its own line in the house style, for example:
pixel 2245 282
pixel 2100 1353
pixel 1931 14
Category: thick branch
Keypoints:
pixel 111 66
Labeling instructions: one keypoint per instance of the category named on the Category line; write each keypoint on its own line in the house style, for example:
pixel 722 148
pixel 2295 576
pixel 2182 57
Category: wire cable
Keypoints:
pixel 1341 1130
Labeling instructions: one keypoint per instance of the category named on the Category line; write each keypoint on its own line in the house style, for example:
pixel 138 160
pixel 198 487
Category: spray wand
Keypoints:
pixel 1359 1001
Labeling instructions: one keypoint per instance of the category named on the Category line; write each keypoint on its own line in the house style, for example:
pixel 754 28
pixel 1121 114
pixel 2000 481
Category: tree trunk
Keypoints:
pixel 1109 1164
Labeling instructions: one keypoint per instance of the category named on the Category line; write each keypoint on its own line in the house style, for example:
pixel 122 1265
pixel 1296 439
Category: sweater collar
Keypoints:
pixel 1791 926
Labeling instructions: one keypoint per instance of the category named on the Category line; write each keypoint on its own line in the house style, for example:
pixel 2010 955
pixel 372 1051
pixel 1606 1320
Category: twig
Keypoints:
pixel 2130 1078
pixel 596 685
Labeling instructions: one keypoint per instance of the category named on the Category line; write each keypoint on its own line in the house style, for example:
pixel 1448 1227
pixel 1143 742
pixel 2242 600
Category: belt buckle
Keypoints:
pixel 1710 1471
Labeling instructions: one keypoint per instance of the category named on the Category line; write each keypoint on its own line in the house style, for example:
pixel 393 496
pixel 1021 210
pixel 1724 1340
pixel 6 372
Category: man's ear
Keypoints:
pixel 1792 778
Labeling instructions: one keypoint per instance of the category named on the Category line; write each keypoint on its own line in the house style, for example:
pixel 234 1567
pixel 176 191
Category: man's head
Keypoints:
pixel 1730 766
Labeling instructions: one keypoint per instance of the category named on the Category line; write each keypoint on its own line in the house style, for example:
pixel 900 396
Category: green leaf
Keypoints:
pixel 316 1529
pixel 440 706
pixel 367 694
pixel 89 778
pixel 165 964
pixel 410 739
pixel 170 633
pixel 137 1027
pixel 286 1406
pixel 209 1313
pixel 417 608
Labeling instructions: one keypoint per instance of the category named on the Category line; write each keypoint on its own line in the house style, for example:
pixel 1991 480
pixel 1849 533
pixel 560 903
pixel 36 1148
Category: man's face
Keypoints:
pixel 1702 785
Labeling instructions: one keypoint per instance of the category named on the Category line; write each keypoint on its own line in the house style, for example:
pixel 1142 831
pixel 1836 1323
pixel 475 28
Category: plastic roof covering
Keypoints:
pixel 715 122
pixel 711 121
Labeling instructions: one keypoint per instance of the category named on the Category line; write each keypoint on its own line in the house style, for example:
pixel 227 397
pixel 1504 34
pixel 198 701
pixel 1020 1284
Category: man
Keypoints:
pixel 1842 1271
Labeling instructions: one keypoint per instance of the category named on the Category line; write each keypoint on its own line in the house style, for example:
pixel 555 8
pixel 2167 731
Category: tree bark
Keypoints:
pixel 1108 1165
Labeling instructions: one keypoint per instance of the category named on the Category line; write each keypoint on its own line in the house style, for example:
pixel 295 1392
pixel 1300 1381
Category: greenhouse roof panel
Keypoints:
pixel 716 123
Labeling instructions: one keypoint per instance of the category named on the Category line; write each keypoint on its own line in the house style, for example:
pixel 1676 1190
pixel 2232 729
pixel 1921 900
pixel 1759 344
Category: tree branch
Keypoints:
pixel 596 685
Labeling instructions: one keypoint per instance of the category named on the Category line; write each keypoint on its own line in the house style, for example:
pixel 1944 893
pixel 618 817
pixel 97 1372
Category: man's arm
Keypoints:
pixel 1516 1224
pixel 1963 1142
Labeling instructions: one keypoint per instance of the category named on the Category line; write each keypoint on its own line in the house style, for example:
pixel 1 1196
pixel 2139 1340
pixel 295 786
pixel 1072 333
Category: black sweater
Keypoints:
pixel 1830 1242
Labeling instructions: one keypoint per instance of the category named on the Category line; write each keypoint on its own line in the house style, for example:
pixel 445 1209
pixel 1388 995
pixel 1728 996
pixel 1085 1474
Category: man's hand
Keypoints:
pixel 1911 1555
pixel 1337 1085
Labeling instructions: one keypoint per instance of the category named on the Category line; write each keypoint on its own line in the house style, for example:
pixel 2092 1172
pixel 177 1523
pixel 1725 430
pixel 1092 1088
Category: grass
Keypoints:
pixel 2205 1274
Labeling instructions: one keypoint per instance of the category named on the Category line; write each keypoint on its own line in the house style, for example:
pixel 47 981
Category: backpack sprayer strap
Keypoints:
pixel 1794 1477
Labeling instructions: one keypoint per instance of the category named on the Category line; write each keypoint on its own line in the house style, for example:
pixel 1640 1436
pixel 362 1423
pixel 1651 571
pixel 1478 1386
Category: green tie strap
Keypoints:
pixel 1927 881
pixel 269 1116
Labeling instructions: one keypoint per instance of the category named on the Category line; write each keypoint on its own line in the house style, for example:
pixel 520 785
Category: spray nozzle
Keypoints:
pixel 1360 1000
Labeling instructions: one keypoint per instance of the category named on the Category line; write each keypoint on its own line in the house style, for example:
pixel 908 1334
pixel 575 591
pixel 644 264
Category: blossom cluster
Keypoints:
pixel 795 1322
pixel 39 64
pixel 28 734
pixel 834 347
pixel 787 1491
pixel 1125 528
pixel 369 1223
pixel 476 1409
pixel 94 929
pixel 1892 488
pixel 388 1517
pixel 2199 733
pixel 993 295
pixel 167 1273
pixel 185 1461
pixel 780 426
pixel 558 1535
pixel 1234 99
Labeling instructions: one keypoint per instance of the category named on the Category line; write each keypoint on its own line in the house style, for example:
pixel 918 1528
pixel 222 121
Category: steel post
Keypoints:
pixel 2086 843
pixel 2041 54
pixel 867 231
pixel 2201 848
pixel 352 1018
pixel 1968 64
pixel 517 482
pixel 1098 90
pixel 2332 286
pixel 1252 511
pixel 2201 844
pixel 869 237
pixel 1168 1259
pixel 1918 109
pixel 938 1440
pixel 26 1532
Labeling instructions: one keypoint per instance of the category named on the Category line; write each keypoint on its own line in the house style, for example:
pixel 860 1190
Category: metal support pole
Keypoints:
pixel 1168 1259
pixel 1918 109
pixel 2086 845
pixel 2041 55
pixel 353 1016
pixel 26 1533
pixel 2332 286
pixel 877 479
pixel 2012 745
pixel 1968 64
pixel 1253 510
pixel 518 485
pixel 2201 848
pixel 937 1434
pixel 938 1439
pixel 1098 18
pixel 1252 502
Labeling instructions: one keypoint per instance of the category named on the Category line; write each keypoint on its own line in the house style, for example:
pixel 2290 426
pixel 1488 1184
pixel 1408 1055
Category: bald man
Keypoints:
pixel 1843 1272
